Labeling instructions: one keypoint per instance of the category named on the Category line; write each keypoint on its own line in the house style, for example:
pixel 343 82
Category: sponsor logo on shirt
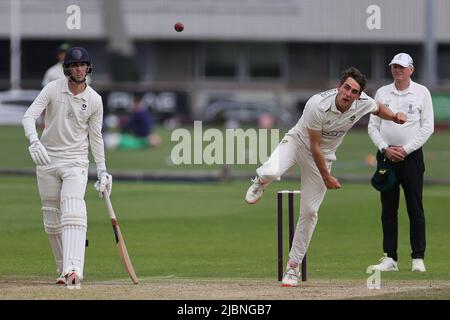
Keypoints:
pixel 352 118
pixel 333 134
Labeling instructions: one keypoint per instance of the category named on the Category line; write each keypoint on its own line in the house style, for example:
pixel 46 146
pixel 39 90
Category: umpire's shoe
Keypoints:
pixel 386 264
pixel 418 265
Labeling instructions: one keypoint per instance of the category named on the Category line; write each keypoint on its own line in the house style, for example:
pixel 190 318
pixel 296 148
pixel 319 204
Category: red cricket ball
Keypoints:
pixel 179 27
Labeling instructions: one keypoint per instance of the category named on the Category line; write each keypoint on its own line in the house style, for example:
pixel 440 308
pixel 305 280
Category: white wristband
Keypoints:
pixel 33 138
pixel 101 168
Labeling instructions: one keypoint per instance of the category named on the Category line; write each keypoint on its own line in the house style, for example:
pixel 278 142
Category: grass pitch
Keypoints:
pixel 206 231
pixel 182 234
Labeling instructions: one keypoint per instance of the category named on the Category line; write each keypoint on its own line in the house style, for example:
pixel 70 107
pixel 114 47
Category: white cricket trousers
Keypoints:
pixel 289 152
pixel 62 186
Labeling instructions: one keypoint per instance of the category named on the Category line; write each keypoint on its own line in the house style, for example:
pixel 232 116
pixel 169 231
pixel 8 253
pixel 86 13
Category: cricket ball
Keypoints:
pixel 179 27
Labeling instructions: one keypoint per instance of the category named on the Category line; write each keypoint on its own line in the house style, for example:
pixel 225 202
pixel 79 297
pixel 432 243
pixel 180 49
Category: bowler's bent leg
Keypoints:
pixel 282 158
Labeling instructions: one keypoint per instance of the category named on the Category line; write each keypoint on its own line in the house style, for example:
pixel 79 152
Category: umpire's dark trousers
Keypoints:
pixel 410 176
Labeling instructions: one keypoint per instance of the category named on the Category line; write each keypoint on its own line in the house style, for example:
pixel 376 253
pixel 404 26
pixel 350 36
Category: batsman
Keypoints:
pixel 73 121
pixel 312 144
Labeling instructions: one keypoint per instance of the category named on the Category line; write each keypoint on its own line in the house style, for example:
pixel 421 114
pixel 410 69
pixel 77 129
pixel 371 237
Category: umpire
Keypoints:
pixel 402 146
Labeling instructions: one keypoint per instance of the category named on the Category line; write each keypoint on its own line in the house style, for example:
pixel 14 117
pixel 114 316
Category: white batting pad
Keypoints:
pixel 73 211
pixel 52 220
pixel 74 239
pixel 74 222
pixel 53 228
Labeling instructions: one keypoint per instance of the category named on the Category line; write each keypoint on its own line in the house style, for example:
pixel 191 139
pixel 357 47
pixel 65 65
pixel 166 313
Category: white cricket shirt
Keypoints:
pixel 321 114
pixel 71 122
pixel 416 103
pixel 53 73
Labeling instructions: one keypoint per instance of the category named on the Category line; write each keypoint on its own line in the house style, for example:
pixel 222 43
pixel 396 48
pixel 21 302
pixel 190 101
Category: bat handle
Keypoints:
pixel 109 206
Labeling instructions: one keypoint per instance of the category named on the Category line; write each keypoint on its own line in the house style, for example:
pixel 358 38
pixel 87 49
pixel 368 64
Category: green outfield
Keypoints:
pixel 207 231
pixel 353 155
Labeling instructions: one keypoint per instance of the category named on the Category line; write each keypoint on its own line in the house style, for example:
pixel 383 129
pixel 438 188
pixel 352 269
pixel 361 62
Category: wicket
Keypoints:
pixel 290 194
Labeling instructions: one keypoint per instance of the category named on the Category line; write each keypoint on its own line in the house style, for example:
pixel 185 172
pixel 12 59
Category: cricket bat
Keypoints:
pixel 121 248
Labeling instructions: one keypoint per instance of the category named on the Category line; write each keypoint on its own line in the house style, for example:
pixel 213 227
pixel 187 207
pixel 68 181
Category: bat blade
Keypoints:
pixel 123 253
pixel 118 237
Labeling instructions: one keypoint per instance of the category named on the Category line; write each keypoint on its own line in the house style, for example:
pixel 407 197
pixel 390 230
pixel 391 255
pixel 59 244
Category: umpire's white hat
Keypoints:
pixel 402 59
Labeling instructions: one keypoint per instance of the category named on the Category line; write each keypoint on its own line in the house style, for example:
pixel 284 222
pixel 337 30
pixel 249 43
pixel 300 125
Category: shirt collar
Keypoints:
pixel 395 91
pixel 82 95
pixel 335 109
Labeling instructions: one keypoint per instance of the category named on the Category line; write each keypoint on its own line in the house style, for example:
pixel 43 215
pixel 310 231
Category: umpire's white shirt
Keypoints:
pixel 321 114
pixel 69 122
pixel 416 103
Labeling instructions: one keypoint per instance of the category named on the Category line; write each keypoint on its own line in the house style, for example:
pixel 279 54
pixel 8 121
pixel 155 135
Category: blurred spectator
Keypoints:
pixel 266 121
pixel 141 125
pixel 56 72
pixel 137 133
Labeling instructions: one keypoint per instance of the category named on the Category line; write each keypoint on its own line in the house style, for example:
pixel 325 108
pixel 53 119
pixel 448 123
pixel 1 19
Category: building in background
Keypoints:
pixel 246 51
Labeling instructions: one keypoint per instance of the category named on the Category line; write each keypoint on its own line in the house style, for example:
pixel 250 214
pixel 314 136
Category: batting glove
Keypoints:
pixel 38 153
pixel 104 183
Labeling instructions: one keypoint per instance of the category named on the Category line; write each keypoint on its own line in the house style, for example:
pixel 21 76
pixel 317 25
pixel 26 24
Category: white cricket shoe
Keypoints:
pixel 291 275
pixel 386 264
pixel 73 279
pixel 418 265
pixel 61 279
pixel 254 193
